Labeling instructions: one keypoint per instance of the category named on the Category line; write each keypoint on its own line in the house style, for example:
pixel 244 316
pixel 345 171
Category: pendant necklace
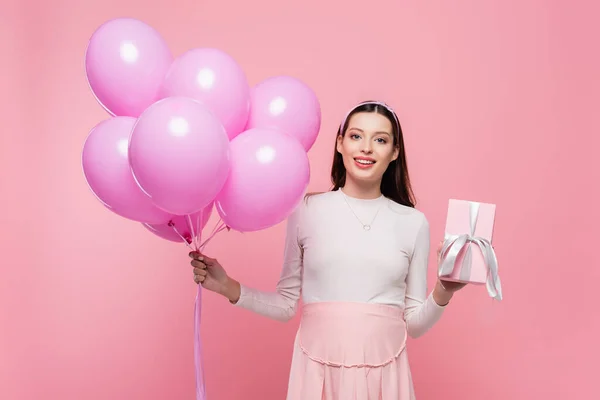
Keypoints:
pixel 366 227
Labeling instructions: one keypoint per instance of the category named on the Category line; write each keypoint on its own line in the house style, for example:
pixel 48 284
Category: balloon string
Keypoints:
pixel 198 245
pixel 198 362
pixel 219 222
pixel 198 357
pixel 186 241
pixel 199 218
pixel 221 226
pixel 191 225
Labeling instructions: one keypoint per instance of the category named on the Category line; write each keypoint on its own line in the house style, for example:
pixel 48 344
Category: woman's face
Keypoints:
pixel 367 147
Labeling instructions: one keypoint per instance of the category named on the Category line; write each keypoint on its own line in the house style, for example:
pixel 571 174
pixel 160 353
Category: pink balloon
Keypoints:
pixel 180 225
pixel 269 175
pixel 287 104
pixel 126 62
pixel 215 79
pixel 107 172
pixel 179 154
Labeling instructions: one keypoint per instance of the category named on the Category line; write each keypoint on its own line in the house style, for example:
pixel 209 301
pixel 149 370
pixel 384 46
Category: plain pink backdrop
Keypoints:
pixel 499 103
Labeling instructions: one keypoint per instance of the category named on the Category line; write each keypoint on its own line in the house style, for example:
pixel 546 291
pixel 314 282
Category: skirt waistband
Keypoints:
pixel 352 334
pixel 353 309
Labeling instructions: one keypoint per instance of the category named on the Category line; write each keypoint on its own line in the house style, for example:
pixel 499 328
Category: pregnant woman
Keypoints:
pixel 358 256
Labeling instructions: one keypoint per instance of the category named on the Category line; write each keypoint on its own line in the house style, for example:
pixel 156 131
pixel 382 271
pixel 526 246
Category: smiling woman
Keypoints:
pixel 358 256
pixel 367 143
pixel 369 154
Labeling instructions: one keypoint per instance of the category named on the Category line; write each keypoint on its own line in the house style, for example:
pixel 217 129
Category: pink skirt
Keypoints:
pixel 350 351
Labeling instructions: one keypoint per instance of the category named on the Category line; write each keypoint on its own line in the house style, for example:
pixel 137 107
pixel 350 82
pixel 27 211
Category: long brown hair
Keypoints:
pixel 395 184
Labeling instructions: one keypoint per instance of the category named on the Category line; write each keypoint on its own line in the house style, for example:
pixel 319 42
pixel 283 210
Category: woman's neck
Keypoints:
pixel 363 190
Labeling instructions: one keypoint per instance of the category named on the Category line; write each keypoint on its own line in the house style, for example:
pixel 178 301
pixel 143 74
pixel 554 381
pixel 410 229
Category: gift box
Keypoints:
pixel 467 253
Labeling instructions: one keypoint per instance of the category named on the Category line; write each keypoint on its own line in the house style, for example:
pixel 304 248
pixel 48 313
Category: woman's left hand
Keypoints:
pixel 452 287
pixel 444 290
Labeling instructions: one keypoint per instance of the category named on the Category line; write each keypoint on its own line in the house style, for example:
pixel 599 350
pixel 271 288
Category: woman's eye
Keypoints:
pixel 382 141
pixel 355 136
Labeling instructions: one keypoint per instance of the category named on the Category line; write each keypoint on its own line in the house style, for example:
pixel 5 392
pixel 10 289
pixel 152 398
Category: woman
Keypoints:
pixel 358 255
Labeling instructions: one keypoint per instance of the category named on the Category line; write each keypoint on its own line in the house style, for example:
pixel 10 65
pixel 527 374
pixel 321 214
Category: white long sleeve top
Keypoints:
pixel 330 256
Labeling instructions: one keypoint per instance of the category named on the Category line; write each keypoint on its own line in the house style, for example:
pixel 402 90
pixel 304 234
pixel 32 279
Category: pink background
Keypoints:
pixel 499 102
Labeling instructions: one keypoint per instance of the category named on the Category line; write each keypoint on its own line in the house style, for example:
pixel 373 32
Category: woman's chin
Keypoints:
pixel 364 176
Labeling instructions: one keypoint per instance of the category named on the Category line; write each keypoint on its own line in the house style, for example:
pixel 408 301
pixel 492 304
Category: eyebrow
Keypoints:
pixel 378 132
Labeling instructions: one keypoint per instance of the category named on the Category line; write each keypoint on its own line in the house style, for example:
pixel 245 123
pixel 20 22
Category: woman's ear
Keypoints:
pixel 338 145
pixel 396 154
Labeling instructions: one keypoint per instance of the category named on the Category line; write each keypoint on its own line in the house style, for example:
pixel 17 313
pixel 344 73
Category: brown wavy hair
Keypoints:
pixel 395 184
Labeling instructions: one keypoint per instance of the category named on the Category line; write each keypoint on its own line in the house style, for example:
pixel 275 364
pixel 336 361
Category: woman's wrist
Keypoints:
pixel 232 290
pixel 440 295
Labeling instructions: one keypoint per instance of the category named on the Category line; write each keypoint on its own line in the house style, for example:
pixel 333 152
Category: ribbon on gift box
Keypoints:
pixel 454 244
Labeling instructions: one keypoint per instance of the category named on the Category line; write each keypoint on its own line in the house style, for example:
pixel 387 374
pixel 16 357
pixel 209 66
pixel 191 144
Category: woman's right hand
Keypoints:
pixel 212 276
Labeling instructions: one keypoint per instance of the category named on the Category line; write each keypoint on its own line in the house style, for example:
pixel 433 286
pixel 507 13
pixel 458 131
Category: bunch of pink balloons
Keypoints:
pixel 188 133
